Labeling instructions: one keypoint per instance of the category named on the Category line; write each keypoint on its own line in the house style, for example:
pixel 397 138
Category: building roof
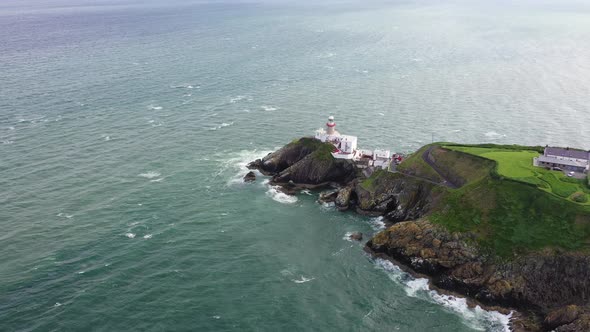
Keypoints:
pixel 567 153
pixel 554 160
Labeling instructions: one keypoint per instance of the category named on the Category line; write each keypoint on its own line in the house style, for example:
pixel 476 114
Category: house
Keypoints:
pixel 565 158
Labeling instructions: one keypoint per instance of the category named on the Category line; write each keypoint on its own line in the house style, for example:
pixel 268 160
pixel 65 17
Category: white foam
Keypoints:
pixel 157 180
pixel 130 235
pixel 347 237
pixel 268 108
pixel 57 304
pixel 149 175
pixel 377 223
pixel 7 142
pixel 307 192
pixel 328 206
pixel 11 128
pixel 279 196
pixel 154 108
pixel 302 280
pixel 147 236
pixel 238 162
pixel 476 318
pixel 216 317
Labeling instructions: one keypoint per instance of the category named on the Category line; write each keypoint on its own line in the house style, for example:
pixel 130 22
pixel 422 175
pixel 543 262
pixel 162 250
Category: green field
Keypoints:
pixel 518 165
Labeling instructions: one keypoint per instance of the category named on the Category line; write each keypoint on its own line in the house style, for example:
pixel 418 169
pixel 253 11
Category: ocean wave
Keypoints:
pixel 155 108
pixel 130 235
pixel 147 236
pixel 149 175
pixel 476 318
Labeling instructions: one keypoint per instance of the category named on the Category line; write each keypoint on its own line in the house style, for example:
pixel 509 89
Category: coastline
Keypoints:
pixel 450 262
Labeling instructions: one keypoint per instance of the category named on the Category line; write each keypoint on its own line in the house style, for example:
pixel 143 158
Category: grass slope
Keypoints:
pixel 505 204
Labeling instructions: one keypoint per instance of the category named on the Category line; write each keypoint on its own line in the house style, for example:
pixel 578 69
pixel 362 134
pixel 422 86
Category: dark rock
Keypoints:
pixel 357 236
pixel 250 177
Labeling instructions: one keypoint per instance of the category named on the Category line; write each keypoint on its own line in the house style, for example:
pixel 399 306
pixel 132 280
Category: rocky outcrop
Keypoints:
pixel 284 157
pixel 343 199
pixel 554 286
pixel 306 162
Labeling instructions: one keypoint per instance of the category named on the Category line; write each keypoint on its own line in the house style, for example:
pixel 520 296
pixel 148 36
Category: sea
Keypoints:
pixel 126 126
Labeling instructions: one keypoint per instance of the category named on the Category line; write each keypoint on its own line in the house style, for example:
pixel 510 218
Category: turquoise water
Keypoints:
pixel 125 127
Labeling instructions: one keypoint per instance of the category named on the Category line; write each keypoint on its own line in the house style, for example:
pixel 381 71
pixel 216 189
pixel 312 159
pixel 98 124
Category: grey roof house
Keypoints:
pixel 566 159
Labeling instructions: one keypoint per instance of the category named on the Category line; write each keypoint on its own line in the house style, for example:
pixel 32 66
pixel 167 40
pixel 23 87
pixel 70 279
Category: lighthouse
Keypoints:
pixel 331 126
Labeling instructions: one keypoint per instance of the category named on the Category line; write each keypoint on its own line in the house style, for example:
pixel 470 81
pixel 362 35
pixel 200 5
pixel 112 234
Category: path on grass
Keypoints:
pixel 446 181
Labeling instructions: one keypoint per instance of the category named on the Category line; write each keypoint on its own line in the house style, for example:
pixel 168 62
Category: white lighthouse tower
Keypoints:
pixel 331 126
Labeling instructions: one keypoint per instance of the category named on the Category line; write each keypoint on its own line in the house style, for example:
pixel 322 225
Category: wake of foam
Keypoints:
pixel 302 280
pixel 223 125
pixel 149 175
pixel 494 135
pixel 476 318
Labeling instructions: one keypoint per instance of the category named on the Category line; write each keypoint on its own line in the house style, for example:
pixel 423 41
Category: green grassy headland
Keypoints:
pixel 509 204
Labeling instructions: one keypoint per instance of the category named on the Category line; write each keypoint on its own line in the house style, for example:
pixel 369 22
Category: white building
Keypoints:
pixel 345 147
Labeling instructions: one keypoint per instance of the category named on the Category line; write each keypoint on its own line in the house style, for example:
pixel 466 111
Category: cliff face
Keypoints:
pixel 395 196
pixel 545 283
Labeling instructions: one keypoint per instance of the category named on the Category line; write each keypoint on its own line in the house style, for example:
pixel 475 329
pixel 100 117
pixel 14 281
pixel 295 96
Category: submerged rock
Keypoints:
pixel 251 176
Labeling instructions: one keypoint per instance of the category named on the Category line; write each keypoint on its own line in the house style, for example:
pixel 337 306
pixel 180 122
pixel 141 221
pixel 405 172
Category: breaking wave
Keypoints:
pixel 276 194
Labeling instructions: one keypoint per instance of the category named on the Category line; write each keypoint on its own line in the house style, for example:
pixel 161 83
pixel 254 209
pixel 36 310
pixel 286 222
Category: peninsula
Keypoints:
pixel 507 226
